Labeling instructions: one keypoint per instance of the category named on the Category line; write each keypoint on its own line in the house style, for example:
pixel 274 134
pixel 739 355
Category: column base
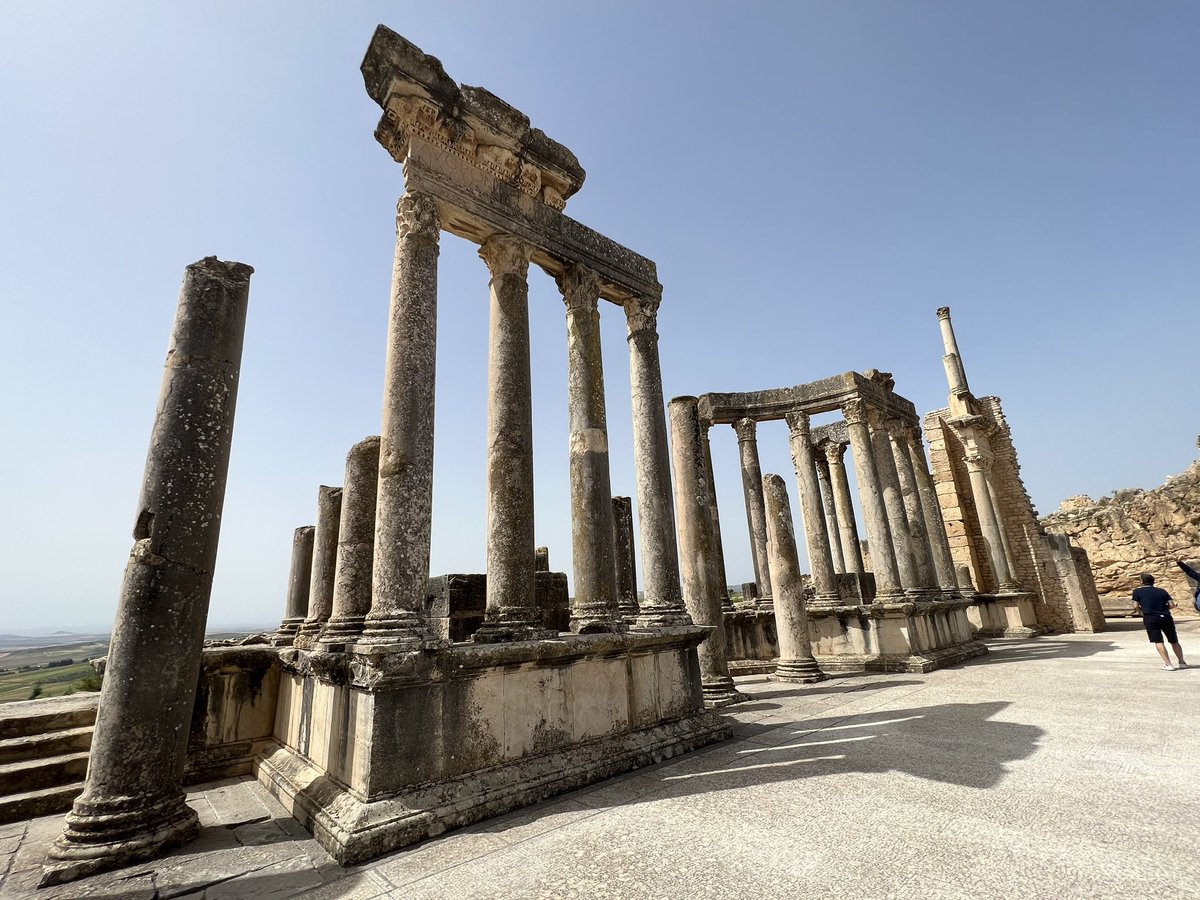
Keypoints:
pixel 399 633
pixel 307 636
pixel 341 631
pixel 663 617
pixel 285 634
pixel 765 604
pixel 798 670
pixel 597 621
pixel 511 632
pixel 108 834
pixel 721 692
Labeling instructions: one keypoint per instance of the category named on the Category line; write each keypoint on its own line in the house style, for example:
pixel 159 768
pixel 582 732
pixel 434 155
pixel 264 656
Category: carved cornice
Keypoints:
pixel 747 430
pixel 417 217
pixel 580 287
pixel 641 314
pixel 799 424
pixel 506 255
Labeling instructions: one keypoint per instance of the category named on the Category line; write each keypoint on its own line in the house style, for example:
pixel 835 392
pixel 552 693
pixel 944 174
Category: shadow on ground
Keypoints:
pixel 1006 650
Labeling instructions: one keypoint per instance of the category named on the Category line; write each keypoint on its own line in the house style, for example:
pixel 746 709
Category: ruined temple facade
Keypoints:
pixel 1027 580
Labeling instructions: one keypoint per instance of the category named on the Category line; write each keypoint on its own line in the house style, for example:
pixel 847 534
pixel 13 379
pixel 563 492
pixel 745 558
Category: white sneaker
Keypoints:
pixel 1168 668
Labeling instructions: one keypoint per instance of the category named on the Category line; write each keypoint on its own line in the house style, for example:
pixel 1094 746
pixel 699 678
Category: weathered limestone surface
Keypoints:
pixel 756 512
pixel 714 514
pixel 455 604
pixel 299 582
pixel 1134 531
pixel 324 565
pixel 625 561
pixel 356 546
pixel 132 804
pixel 795 661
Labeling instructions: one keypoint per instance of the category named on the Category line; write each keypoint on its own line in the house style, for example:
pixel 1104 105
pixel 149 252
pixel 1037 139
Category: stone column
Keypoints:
pixel 626 563
pixel 714 512
pixel 662 597
pixel 914 511
pixel 795 663
pixel 831 516
pixel 956 375
pixel 1005 543
pixel 870 491
pixel 512 613
pixel 404 498
pixel 299 580
pixel 756 510
pixel 988 523
pixel 939 541
pixel 325 547
pixel 541 559
pixel 844 505
pixel 356 547
pixel 595 606
pixel 893 503
pixel 132 805
pixel 700 576
pixel 820 558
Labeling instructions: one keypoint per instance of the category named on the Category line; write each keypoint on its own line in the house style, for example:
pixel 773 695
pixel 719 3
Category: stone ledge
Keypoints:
pixel 354 830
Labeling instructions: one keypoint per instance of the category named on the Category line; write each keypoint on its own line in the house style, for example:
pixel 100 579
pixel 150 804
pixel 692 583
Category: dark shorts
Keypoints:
pixel 1159 626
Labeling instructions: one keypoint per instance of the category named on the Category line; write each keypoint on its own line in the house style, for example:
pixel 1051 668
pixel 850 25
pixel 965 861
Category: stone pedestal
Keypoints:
pixel 132 806
pixel 1006 614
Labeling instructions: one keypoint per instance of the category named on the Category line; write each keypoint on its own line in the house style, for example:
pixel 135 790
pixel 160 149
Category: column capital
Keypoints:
pixel 799 423
pixel 417 216
pixel 943 312
pixel 834 451
pixel 506 255
pixel 641 314
pixel 977 460
pixel 746 428
pixel 580 287
pixel 855 411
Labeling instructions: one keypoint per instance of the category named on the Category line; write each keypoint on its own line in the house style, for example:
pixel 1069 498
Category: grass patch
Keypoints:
pixel 55 682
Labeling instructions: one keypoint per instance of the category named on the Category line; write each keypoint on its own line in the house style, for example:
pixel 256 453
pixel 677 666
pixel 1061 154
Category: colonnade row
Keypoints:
pixel 372 537
pixel 908 546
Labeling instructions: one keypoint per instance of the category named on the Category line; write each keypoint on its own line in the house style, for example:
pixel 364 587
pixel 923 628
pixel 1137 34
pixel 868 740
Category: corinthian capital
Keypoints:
pixel 417 217
pixel 747 430
pixel 506 255
pixel 855 412
pixel 580 287
pixel 799 423
pixel 641 314
pixel 834 452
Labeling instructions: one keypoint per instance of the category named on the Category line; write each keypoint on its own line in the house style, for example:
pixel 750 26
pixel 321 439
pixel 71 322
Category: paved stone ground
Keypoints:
pixel 1059 767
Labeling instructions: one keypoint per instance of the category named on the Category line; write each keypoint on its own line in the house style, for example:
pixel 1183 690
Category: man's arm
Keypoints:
pixel 1188 570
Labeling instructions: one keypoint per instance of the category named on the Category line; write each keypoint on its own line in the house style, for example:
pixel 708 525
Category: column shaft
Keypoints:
pixel 299 581
pixel 756 510
pixel 404 495
pixel 595 606
pixel 132 805
pixel 939 541
pixel 795 663
pixel 844 505
pixel 700 575
pixel 893 504
pixel 662 600
pixel 831 517
pixel 626 563
pixel 914 511
pixel 870 492
pixel 325 544
pixel 356 545
pixel 820 557
pixel 714 513
pixel 988 523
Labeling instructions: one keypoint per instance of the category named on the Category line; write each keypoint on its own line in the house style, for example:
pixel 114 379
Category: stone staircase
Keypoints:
pixel 43 754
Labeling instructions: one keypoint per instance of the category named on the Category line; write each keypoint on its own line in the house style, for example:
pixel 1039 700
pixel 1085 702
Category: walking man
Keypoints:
pixel 1155 606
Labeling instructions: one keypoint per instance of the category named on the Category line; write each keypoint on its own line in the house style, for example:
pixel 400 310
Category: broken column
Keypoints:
pixel 404 502
pixel 697 552
pixel 299 581
pixel 756 513
pixel 820 559
pixel 625 562
pixel 324 562
pixel 355 548
pixel 594 608
pixel 795 663
pixel 662 598
pixel 132 805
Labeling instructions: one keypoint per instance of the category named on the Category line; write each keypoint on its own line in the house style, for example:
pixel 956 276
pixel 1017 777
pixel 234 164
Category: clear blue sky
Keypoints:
pixel 813 180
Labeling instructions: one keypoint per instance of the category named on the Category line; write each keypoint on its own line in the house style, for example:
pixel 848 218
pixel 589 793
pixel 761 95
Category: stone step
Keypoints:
pixel 23 718
pixel 44 746
pixel 33 774
pixel 41 802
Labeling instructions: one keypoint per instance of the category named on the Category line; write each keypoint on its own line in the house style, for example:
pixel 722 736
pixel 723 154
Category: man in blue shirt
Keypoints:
pixel 1155 606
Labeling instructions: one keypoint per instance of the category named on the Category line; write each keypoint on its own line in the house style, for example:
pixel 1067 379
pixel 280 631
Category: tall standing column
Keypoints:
pixel 988 522
pixel 714 514
pixel 1005 543
pixel 404 512
pixel 831 517
pixel 595 604
pixel 914 511
pixel 893 503
pixel 844 505
pixel 795 663
pixel 299 581
pixel 700 576
pixel 956 374
pixel 626 562
pixel 132 805
pixel 511 613
pixel 939 541
pixel 356 545
pixel 756 510
pixel 820 558
pixel 325 545
pixel 662 600
pixel 870 492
